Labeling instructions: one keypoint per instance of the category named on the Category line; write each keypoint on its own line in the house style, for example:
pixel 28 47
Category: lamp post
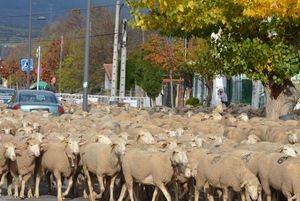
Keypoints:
pixel 86 58
pixel 29 42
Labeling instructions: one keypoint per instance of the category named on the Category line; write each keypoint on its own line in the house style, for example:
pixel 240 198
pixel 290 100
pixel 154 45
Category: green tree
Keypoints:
pixel 146 74
pixel 259 44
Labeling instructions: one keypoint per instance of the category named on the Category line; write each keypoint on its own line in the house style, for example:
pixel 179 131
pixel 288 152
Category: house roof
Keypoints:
pixel 108 70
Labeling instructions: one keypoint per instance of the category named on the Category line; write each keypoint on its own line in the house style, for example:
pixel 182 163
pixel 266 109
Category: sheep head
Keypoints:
pixel 179 157
pixel 102 139
pixel 243 117
pixel 34 147
pixel 145 137
pixel 294 136
pixel 10 151
pixel 288 150
pixel 119 148
pixel 198 141
pixel 252 187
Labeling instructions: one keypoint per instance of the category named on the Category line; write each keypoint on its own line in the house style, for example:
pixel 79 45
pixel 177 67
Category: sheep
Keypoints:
pixel 217 171
pixel 23 167
pixel 102 160
pixel 59 160
pixel 146 168
pixel 280 172
pixel 8 151
pixel 294 136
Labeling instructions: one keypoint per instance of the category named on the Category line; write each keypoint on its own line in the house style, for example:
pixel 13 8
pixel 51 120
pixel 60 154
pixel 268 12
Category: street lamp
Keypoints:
pixel 86 58
pixel 29 42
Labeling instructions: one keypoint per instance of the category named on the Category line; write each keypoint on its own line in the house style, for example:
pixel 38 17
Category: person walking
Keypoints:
pixel 52 86
pixel 223 96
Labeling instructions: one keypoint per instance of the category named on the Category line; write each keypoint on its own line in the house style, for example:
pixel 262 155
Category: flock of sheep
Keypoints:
pixel 119 153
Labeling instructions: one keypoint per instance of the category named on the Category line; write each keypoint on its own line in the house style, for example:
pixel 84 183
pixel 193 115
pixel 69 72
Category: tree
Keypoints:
pixel 206 63
pixel 242 32
pixel 146 74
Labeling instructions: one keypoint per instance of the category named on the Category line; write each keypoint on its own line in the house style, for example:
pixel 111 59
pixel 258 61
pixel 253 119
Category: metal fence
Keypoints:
pixel 139 102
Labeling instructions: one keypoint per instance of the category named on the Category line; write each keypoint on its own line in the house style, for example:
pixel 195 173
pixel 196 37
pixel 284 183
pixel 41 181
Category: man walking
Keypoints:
pixel 223 97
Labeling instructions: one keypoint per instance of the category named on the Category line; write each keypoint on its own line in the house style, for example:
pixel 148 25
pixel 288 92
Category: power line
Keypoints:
pixel 56 11
pixel 48 40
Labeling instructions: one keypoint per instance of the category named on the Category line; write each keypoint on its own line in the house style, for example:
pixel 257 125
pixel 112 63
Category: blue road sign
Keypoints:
pixel 26 65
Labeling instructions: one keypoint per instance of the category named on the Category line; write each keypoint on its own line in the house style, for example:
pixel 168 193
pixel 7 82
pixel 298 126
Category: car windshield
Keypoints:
pixel 7 92
pixel 26 97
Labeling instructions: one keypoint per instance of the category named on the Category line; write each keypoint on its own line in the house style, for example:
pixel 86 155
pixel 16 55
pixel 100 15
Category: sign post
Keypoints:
pixel 38 67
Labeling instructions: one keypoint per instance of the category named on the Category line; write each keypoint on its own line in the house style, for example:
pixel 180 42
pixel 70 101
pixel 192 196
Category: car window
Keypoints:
pixel 37 98
pixel 7 92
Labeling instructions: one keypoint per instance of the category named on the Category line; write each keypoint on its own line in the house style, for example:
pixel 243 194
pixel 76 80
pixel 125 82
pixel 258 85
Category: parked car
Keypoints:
pixel 33 100
pixel 5 95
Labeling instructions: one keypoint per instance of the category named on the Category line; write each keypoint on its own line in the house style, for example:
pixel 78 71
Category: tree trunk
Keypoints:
pixel 209 85
pixel 280 100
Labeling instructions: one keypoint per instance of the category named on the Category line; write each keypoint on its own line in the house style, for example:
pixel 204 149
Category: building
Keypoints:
pixel 108 76
pixel 239 89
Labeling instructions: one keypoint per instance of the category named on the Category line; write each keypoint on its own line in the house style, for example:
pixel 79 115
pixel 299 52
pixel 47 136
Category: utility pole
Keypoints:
pixel 123 60
pixel 114 81
pixel 38 68
pixel 29 42
pixel 86 58
pixel 60 60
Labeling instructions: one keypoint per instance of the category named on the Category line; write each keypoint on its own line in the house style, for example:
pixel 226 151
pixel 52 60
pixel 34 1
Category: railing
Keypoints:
pixel 139 102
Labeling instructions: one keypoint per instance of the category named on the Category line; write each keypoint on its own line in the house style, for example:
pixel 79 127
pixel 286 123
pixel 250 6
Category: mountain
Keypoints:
pixel 14 15
pixel 15 12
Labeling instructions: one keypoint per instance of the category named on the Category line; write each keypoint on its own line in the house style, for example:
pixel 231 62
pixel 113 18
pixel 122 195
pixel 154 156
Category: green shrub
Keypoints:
pixel 193 102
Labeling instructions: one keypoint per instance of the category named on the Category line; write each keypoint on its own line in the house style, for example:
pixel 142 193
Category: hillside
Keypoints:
pixel 14 16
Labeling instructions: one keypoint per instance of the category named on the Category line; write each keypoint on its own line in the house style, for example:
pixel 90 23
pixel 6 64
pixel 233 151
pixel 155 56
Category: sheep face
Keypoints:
pixel 10 152
pixel 103 139
pixel 294 136
pixel 73 145
pixel 253 191
pixel 288 150
pixel 35 150
pixel 253 188
pixel 119 148
pixel 179 157
pixel 145 137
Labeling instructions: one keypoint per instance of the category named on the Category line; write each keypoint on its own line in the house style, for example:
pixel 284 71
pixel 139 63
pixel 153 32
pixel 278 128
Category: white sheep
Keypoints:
pixel 154 168
pixel 225 172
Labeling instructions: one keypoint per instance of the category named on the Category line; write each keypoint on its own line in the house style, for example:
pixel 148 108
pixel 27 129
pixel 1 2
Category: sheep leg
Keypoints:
pixel 101 186
pixel 16 184
pixel 2 181
pixel 225 194
pixel 89 181
pixel 59 185
pixel 155 194
pixel 23 184
pixel 130 190
pixel 111 190
pixel 70 184
pixel 37 182
pixel 266 188
pixel 123 192
pixel 165 191
pixel 9 185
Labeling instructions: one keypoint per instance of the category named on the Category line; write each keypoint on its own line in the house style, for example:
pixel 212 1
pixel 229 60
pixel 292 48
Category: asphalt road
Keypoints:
pixel 43 198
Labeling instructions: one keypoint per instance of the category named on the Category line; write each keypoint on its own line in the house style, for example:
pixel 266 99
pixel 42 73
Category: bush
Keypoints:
pixel 193 102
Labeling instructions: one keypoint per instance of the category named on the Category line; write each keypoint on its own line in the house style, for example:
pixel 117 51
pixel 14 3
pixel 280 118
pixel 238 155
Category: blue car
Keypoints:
pixel 33 100
pixel 6 94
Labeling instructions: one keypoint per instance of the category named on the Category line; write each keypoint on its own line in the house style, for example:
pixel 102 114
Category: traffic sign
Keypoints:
pixel 26 65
